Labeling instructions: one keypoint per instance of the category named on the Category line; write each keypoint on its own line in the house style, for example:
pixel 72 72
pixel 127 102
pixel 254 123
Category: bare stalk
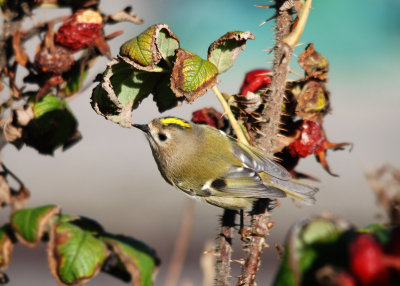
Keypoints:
pixel 181 244
pixel 228 112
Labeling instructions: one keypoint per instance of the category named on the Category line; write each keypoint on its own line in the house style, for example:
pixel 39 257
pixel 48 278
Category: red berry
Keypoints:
pixel 310 141
pixel 208 116
pixel 367 261
pixel 80 30
pixel 255 80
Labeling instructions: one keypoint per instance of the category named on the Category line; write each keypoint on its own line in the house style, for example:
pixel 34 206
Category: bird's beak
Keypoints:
pixel 143 127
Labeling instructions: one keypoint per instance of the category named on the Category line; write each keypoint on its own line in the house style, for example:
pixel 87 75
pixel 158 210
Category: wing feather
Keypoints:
pixel 256 160
pixel 243 182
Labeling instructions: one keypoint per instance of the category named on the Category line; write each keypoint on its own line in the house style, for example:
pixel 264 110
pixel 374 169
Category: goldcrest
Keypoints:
pixel 206 163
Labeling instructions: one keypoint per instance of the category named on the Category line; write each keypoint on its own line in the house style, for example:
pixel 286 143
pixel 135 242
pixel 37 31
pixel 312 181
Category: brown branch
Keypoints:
pixel 271 115
pixel 224 249
pixel 40 27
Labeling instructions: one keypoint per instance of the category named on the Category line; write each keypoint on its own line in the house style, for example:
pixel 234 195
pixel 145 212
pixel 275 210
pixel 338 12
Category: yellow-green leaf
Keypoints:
pixel 192 76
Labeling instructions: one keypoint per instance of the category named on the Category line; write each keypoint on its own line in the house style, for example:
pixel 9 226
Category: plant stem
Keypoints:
pixel 271 114
pixel 295 35
pixel 228 112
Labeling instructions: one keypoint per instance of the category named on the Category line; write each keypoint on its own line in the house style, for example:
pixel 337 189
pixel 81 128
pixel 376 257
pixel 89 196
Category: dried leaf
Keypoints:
pixel 139 260
pixel 75 256
pixel 192 76
pixel 224 51
pixel 313 63
pixel 20 56
pixel 313 100
pixel 6 248
pixel 121 90
pixel 127 15
pixel 30 224
pixel 20 198
pixel 145 51
pixel 5 192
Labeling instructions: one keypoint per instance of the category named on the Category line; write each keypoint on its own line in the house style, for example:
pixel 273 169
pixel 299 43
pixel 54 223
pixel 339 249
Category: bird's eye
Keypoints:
pixel 162 136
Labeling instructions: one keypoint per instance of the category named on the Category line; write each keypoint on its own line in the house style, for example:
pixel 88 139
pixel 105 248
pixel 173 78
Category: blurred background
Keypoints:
pixel 110 174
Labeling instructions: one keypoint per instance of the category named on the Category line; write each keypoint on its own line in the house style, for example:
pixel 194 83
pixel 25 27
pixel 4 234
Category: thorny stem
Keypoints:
pixel 224 249
pixel 228 112
pixel 273 98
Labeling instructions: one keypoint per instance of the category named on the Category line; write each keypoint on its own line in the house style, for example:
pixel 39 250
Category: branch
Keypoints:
pixel 228 112
pixel 271 114
pixel 224 249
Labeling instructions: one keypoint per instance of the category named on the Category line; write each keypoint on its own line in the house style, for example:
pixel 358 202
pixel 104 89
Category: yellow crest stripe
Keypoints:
pixel 173 120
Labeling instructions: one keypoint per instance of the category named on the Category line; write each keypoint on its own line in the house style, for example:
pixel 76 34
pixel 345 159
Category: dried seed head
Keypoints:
pixel 56 62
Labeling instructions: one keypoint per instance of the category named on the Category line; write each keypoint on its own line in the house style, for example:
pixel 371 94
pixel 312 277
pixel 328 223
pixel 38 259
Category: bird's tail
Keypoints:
pixel 295 189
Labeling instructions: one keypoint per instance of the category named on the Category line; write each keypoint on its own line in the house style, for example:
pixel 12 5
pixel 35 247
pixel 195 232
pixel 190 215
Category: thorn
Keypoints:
pixel 266 245
pixel 212 252
pixel 296 56
pixel 282 129
pixel 270 224
pixel 240 261
pixel 296 73
pixel 299 44
pixel 264 6
pixel 279 248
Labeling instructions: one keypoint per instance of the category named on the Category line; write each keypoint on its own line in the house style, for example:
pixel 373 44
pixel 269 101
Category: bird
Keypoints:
pixel 207 164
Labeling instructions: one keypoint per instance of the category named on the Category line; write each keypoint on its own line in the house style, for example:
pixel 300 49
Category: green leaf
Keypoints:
pixel 30 224
pixel 54 125
pixel 75 78
pixel 122 89
pixel 224 51
pixel 167 43
pixel 145 51
pixel 6 247
pixel 138 258
pixel 164 96
pixel 139 49
pixel 75 255
pixel 47 104
pixel 192 76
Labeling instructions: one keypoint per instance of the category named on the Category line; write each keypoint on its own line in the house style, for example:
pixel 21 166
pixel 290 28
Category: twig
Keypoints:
pixel 294 36
pixel 228 112
pixel 181 244
pixel 40 27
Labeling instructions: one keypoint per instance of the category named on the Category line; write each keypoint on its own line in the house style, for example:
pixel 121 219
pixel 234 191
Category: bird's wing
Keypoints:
pixel 241 182
pixel 256 160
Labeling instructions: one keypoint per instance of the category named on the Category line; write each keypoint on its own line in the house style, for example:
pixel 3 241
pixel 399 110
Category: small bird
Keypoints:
pixel 206 163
